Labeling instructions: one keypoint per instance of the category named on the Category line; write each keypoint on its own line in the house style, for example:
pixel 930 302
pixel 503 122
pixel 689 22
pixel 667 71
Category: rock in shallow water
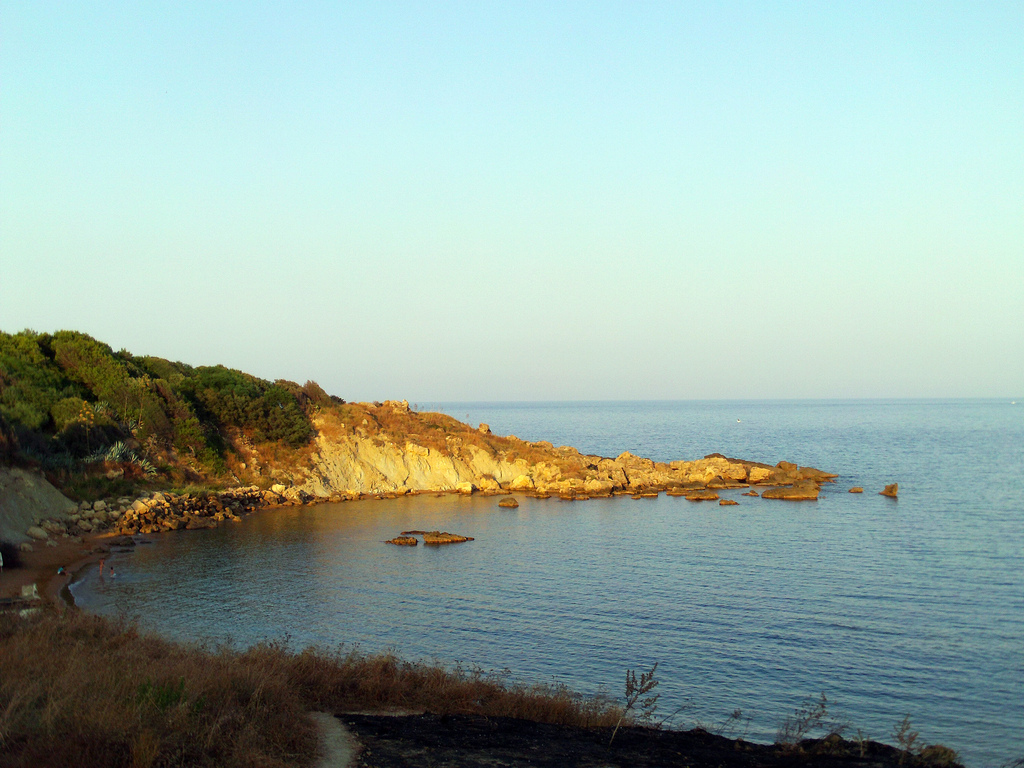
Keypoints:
pixel 403 541
pixel 702 496
pixel 794 493
pixel 443 537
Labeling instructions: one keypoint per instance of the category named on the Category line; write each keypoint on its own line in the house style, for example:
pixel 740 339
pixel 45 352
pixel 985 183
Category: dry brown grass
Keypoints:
pixel 81 690
pixel 86 691
pixel 340 682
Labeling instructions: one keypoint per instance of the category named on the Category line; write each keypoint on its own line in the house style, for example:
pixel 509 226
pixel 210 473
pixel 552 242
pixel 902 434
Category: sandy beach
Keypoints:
pixel 41 566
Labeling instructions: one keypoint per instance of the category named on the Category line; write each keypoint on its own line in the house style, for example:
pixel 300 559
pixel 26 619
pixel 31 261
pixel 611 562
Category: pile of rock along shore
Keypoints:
pixel 155 512
pixel 166 511
pixel 171 512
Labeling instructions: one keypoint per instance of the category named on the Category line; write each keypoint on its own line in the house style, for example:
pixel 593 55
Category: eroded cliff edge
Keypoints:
pixel 388 448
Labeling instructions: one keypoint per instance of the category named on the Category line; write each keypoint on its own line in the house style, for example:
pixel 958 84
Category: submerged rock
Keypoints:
pixel 508 503
pixel 727 503
pixel 890 490
pixel 856 489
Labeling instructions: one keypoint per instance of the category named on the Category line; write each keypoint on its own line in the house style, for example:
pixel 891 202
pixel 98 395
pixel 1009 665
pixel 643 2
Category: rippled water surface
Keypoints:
pixel 889 607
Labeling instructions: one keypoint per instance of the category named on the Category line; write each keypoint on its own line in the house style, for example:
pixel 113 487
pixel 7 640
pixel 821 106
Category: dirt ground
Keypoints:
pixel 40 566
pixel 461 741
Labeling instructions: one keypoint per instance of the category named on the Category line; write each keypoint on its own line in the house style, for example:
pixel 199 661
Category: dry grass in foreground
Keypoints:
pixel 82 690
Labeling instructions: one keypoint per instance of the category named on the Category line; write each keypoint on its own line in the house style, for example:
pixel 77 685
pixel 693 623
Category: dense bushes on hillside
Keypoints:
pixel 233 398
pixel 66 398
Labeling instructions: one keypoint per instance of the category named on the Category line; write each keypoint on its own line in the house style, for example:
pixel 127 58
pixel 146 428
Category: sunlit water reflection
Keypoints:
pixel 914 606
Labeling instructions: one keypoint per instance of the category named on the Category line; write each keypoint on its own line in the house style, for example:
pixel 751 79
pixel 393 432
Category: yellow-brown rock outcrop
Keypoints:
pixel 388 448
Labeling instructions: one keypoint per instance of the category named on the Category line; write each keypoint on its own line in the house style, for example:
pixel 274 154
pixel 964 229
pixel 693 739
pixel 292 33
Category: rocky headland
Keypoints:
pixel 143 444
pixel 384 451
pixel 394 450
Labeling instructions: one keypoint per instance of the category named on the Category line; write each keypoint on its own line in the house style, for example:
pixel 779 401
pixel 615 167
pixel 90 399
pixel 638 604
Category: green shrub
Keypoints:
pixel 69 410
pixel 109 377
pixel 66 398
pixel 30 382
pixel 232 398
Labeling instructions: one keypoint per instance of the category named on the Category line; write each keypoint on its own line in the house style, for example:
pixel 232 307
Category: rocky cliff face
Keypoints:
pixel 378 465
pixel 357 461
pixel 25 499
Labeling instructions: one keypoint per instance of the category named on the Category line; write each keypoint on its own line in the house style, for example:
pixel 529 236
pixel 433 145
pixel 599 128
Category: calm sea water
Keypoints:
pixel 888 607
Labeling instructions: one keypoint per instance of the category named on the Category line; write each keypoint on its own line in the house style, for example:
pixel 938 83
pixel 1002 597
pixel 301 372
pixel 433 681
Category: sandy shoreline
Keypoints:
pixel 41 566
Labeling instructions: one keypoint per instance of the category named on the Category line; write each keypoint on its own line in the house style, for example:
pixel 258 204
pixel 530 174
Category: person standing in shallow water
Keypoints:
pixel 101 566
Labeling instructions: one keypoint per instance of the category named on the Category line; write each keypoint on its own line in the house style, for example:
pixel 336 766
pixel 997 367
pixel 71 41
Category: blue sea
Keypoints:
pixel 889 607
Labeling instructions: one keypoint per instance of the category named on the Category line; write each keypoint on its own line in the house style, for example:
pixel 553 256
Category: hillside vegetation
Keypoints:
pixel 105 425
pixel 75 408
pixel 101 423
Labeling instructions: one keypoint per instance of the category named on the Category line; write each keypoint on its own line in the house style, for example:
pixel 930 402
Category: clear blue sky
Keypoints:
pixel 445 201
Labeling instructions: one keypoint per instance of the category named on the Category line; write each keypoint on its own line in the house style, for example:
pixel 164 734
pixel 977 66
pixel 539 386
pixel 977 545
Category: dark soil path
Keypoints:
pixel 464 741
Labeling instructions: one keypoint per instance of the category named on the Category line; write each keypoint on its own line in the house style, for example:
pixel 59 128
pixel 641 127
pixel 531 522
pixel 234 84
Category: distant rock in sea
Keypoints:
pixel 404 541
pixel 799 492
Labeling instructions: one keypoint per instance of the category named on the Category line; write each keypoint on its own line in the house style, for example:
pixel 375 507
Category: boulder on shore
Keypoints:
pixel 522 483
pixel 759 474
